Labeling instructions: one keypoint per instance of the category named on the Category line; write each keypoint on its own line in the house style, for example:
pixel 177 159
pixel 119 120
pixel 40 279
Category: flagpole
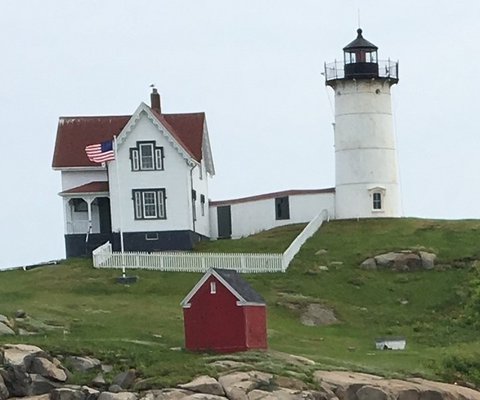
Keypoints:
pixel 122 247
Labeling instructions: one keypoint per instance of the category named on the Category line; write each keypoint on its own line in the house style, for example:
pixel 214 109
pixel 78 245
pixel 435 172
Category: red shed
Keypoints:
pixel 224 313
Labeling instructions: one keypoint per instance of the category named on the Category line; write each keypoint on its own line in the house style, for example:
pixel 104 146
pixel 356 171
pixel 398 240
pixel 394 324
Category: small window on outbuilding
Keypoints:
pixel 213 287
pixel 282 208
pixel 377 201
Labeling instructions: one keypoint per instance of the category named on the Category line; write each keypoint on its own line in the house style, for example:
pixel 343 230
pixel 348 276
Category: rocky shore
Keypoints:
pixel 28 372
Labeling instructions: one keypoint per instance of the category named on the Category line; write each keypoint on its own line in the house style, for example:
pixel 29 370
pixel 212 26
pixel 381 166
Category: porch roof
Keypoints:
pixel 94 187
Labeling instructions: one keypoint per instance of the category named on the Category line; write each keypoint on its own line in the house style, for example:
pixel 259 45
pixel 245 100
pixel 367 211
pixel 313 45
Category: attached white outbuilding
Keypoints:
pixel 246 216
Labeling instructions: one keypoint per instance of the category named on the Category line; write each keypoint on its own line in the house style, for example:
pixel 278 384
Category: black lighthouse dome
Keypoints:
pixel 360 58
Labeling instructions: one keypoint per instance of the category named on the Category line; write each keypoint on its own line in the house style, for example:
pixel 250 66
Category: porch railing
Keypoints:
pixel 79 226
pixel 104 257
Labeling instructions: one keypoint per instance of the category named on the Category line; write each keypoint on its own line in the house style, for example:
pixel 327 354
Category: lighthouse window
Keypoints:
pixel 372 57
pixel 377 201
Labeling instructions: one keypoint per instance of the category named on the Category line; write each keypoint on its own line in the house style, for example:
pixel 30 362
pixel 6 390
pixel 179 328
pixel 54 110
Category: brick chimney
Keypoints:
pixel 155 100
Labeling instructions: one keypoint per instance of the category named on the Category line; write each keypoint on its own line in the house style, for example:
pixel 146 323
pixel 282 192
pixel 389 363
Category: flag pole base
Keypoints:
pixel 127 280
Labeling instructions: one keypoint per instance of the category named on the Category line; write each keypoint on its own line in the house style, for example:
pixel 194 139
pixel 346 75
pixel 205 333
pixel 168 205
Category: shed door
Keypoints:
pixel 224 220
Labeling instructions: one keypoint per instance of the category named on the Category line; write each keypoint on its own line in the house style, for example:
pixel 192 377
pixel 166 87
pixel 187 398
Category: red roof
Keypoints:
pixel 271 196
pixel 75 133
pixel 187 129
pixel 91 187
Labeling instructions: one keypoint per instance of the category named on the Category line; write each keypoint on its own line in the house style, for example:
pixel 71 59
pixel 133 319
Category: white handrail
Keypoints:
pixel 300 240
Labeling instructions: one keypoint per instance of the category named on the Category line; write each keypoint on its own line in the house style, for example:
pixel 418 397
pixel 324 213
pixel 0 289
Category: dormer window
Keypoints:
pixel 146 157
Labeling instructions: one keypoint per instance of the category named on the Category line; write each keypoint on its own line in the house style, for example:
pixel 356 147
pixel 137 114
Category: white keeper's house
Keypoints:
pixel 155 190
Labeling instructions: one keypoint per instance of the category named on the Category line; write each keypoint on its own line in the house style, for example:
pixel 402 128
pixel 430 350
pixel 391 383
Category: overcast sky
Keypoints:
pixel 254 67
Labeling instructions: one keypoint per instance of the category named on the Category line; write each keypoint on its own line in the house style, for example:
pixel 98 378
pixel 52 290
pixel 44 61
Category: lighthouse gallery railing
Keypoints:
pixel 386 69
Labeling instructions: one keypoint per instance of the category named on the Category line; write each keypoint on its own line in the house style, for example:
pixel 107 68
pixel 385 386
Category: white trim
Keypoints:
pixel 66 169
pixel 80 194
pixel 145 158
pixel 207 150
pixel 144 109
pixel 208 274
pixel 152 237
pixel 239 303
pixel 377 189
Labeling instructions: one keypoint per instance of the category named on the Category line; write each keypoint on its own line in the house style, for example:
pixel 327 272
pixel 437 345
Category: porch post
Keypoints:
pixel 89 201
pixel 67 213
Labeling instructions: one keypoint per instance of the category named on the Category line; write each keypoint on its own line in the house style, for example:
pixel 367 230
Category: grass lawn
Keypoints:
pixel 141 325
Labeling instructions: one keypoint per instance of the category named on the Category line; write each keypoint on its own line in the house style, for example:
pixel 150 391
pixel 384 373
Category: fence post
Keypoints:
pixel 243 266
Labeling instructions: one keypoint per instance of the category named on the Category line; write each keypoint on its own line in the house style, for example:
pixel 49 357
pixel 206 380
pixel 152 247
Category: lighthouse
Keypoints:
pixel 366 171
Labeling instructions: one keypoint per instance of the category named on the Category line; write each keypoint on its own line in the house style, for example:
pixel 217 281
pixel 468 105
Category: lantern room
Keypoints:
pixel 360 58
pixel 360 61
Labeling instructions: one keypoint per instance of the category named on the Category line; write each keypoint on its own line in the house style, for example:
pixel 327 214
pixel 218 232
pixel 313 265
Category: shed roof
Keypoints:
pixel 240 285
pixel 232 280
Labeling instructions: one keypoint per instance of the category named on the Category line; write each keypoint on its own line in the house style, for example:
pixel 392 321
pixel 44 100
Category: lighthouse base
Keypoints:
pixel 367 201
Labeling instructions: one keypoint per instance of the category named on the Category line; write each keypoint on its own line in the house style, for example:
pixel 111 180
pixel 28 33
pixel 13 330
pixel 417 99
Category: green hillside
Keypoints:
pixel 141 326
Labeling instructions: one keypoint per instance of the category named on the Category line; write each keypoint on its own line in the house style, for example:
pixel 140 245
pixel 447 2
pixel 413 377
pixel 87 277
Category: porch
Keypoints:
pixel 87 209
pixel 87 218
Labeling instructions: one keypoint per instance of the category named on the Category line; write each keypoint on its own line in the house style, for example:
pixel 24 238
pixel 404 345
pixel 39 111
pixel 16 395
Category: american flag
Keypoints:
pixel 100 152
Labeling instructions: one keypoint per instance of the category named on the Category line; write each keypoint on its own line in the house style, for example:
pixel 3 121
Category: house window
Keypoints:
pixel 377 201
pixel 149 203
pixel 202 204
pixel 282 208
pixel 194 208
pixel 213 287
pixel 146 157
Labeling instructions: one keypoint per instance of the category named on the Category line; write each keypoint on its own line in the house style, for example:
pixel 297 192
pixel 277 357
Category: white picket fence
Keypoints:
pixel 104 257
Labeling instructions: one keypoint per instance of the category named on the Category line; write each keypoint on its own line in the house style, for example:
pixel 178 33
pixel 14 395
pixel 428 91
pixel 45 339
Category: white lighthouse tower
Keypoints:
pixel 366 174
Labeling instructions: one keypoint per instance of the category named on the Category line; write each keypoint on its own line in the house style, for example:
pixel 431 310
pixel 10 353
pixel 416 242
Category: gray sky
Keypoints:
pixel 254 67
